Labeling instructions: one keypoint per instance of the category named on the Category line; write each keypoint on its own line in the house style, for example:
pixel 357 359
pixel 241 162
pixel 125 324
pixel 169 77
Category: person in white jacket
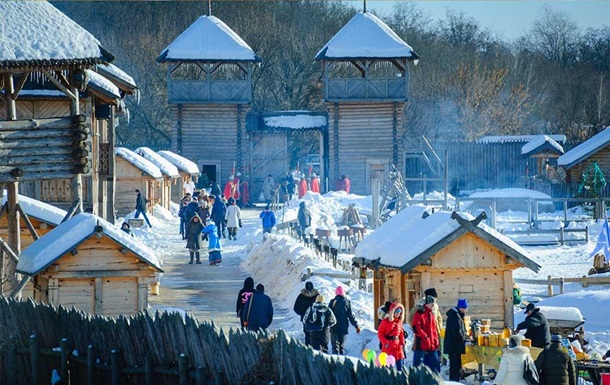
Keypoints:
pixel 233 219
pixel 513 363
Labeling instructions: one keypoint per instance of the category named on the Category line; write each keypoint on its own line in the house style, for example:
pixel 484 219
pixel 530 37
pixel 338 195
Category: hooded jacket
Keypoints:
pixel 304 216
pixel 319 318
pixel 455 333
pixel 511 367
pixel 260 312
pixel 244 294
pixel 233 215
pixel 425 330
pixel 193 233
pixel 213 241
pixel 268 218
pixel 304 301
pixel 342 308
pixel 219 209
pixel 390 333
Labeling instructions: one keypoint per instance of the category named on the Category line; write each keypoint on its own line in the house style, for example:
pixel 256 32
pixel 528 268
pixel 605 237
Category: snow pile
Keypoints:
pixel 164 165
pixel 295 121
pixel 117 73
pixel 102 84
pixel 37 209
pixel 139 162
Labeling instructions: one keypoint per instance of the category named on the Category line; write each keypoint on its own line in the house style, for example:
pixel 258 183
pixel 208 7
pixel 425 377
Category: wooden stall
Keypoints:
pixel 186 168
pixel 169 172
pixel 366 83
pixel 89 263
pixel 134 173
pixel 459 256
pixel 209 92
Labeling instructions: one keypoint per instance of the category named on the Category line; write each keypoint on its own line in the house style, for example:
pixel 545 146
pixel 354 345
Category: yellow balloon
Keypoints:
pixel 382 358
pixel 365 353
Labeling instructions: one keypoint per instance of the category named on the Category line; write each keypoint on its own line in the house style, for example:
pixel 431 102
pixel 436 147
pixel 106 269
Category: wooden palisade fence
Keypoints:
pixel 36 340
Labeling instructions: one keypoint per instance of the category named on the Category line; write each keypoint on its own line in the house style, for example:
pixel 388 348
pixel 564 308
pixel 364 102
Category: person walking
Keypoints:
pixel 342 309
pixel 219 210
pixel 214 246
pixel 233 218
pixel 537 327
pixel 427 339
pixel 304 300
pixel 184 202
pixel 257 313
pixel 141 203
pixel 304 219
pixel 391 334
pixel 454 344
pixel 193 238
pixel 554 364
pixel 268 188
pixel 244 294
pixel 318 320
pixel 512 364
pixel 268 219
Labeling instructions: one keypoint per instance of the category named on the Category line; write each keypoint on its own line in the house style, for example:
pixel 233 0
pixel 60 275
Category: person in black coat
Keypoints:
pixel 193 238
pixel 304 218
pixel 454 344
pixel 342 308
pixel 303 302
pixel 219 209
pixel 141 207
pixel 537 327
pixel 215 190
pixel 554 364
pixel 258 310
pixel 243 296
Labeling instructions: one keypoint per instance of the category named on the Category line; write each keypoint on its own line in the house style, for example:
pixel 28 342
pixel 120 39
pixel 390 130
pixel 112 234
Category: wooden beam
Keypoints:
pixel 3 210
pixel 16 293
pixel 9 90
pixel 28 223
pixel 77 179
pixel 508 299
pixel 7 249
pixel 58 84
pixel 37 124
pixel 99 297
pixel 99 274
pixel 70 212
pixel 19 86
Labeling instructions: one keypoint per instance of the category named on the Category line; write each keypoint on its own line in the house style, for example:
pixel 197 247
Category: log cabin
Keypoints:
pixel 92 265
pixel 209 92
pixel 546 151
pixel 186 168
pixel 459 256
pixel 169 172
pixel 366 84
pixel 133 172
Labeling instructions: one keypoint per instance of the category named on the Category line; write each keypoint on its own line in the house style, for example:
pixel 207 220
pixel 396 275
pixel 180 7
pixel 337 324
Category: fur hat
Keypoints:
pixel 515 341
pixel 339 291
pixel 431 291
pixel 308 286
pixel 320 298
pixel 429 299
pixel 530 307
pixel 462 303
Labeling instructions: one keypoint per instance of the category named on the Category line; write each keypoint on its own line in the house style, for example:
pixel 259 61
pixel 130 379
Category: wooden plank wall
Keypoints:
pixel 268 155
pixel 120 296
pixel 209 132
pixel 128 179
pixel 365 133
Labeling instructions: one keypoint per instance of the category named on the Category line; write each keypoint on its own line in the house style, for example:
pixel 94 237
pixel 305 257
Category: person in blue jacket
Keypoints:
pixel 268 218
pixel 257 313
pixel 219 210
pixel 214 247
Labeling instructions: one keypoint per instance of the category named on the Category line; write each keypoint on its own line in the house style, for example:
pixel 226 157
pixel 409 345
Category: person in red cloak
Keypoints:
pixel 315 184
pixel 231 189
pixel 245 193
pixel 302 187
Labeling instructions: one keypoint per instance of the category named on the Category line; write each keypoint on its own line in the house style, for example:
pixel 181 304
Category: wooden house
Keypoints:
pixel 545 151
pixel 92 265
pixel 133 172
pixel 579 161
pixel 366 84
pixel 186 168
pixel 169 172
pixel 459 256
pixel 209 91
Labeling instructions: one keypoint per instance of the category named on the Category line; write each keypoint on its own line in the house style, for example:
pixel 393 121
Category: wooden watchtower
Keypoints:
pixel 209 90
pixel 366 86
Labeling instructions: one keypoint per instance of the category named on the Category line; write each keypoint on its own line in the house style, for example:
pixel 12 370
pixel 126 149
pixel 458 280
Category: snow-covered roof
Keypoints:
pixel 100 84
pixel 68 235
pixel 36 33
pixel 540 144
pixel 40 210
pixel 113 72
pixel 366 36
pixel 181 162
pixel 585 149
pixel 408 239
pixel 164 165
pixel 295 121
pixel 517 138
pixel 139 162
pixel 208 39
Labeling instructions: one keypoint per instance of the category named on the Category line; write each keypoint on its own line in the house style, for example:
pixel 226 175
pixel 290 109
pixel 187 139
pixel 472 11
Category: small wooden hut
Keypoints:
pixel 134 173
pixel 546 151
pixel 459 256
pixel 168 170
pixel 89 263
pixel 186 168
pixel 366 84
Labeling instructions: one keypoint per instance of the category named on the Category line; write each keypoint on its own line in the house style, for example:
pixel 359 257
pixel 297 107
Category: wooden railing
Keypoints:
pixel 213 91
pixel 550 282
pixel 395 89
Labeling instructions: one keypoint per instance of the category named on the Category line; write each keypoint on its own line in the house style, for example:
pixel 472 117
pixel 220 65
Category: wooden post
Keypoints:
pixel 115 368
pixel 90 366
pixel 111 184
pixel 585 283
pixel 11 364
pixel 183 369
pixel 14 234
pixel 9 90
pixel 35 359
pixel 565 210
pixel 64 360
pixel 508 299
pixel 561 285
pixel 77 179
pixel 148 371
pixel 561 236
pixel 550 286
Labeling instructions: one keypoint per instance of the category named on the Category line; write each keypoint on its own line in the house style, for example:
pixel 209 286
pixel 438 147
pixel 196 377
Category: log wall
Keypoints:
pixel 362 138
pixel 128 179
pixel 574 174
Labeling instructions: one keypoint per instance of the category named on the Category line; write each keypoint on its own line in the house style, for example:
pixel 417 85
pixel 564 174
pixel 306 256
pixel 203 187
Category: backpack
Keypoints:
pixel 530 373
pixel 314 321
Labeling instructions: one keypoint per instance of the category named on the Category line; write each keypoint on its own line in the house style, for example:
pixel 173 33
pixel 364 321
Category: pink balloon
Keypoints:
pixel 377 363
pixel 390 361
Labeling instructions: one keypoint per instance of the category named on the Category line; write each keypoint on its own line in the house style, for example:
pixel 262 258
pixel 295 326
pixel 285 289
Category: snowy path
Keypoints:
pixel 203 291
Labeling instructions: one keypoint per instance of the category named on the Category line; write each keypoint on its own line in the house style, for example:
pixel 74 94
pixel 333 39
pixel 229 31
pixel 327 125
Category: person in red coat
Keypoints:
pixel 391 335
pixel 315 184
pixel 302 187
pixel 427 340
pixel 344 184
pixel 231 189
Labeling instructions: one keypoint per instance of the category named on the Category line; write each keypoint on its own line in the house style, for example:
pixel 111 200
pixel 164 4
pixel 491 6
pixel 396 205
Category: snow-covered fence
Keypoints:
pixel 40 344
pixel 550 282
pixel 561 232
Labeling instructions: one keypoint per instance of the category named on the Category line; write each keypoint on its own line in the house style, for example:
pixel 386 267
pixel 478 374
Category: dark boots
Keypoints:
pixel 197 255
pixel 192 256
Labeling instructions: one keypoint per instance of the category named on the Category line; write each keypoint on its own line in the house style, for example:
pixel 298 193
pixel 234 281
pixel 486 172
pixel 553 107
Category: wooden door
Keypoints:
pixel 268 155
pixel 375 170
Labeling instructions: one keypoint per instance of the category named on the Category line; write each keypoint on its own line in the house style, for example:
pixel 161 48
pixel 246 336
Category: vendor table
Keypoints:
pixel 490 356
pixel 593 369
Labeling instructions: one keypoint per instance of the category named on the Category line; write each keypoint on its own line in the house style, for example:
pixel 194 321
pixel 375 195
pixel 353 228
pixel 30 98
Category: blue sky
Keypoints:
pixel 509 19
